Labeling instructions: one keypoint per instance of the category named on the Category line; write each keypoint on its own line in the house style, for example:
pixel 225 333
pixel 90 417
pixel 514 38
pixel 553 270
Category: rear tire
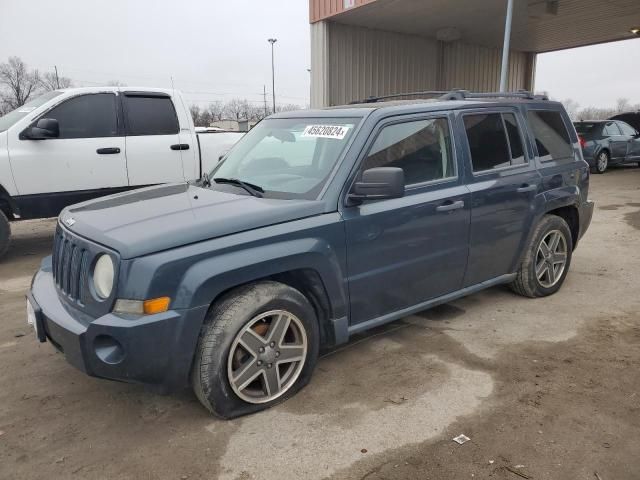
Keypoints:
pixel 5 234
pixel 547 260
pixel 602 162
pixel 238 369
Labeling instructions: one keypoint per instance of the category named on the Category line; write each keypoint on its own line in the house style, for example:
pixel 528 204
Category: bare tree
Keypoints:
pixel 116 83
pixel 50 81
pixel 19 83
pixel 216 110
pixel 572 108
pixel 235 109
pixel 623 105
pixel 195 114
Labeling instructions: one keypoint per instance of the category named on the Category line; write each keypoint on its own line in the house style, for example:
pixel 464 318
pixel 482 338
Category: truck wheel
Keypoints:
pixel 546 262
pixel 602 162
pixel 5 234
pixel 258 347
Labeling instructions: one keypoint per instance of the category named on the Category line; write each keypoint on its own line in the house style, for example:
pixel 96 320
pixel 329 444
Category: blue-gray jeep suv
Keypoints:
pixel 317 225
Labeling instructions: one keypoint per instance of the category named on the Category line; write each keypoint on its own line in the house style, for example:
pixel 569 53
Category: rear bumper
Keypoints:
pixel 155 350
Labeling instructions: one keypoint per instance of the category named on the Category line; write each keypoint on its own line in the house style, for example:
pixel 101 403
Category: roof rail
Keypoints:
pixel 457 94
pixel 374 99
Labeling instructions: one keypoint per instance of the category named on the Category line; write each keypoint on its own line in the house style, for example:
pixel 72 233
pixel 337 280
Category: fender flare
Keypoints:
pixel 207 279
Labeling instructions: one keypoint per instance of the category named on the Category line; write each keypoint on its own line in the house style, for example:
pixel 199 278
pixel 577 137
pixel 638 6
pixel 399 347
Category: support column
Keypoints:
pixel 320 88
pixel 504 74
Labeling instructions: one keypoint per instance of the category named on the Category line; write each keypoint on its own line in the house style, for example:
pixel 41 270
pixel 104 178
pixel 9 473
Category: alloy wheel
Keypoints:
pixel 551 258
pixel 267 356
pixel 603 161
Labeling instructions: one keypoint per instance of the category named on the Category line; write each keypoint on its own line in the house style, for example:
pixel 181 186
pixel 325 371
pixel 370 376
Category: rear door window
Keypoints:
pixel 494 140
pixel 551 135
pixel 86 116
pixel 610 130
pixel 150 115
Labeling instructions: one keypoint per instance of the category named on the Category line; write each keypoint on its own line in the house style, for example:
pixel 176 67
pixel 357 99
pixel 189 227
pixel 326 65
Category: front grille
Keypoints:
pixel 70 266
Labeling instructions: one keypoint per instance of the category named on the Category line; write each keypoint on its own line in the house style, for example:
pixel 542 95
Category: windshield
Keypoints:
pixel 288 158
pixel 11 118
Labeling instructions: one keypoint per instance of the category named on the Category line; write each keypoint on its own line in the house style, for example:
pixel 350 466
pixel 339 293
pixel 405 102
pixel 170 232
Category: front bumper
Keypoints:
pixel 155 350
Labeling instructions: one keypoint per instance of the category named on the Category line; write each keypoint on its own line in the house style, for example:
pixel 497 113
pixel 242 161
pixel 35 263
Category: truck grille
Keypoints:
pixel 70 264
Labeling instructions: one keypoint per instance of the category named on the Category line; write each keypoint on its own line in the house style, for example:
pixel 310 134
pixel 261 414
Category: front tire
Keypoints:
pixel 5 234
pixel 602 162
pixel 258 347
pixel 546 262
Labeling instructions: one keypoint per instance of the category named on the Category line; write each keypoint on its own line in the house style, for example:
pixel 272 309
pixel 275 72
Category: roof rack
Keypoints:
pixel 457 94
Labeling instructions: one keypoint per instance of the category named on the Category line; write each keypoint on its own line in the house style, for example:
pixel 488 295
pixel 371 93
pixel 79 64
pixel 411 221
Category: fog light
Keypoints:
pixel 108 349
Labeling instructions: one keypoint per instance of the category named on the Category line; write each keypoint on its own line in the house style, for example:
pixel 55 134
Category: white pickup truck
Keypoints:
pixel 76 144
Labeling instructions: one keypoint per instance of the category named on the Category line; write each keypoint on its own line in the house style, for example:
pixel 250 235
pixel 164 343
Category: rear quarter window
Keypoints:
pixel 551 135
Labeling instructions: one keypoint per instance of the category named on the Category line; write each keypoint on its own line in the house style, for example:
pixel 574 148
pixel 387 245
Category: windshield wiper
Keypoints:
pixel 254 190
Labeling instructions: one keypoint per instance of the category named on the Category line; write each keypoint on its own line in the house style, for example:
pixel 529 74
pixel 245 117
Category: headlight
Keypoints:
pixel 103 274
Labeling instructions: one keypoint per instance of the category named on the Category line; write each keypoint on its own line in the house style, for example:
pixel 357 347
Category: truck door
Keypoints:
pixel 503 183
pixel 153 141
pixel 86 160
pixel 405 251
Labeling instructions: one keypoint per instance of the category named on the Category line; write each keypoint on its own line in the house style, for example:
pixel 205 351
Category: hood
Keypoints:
pixel 158 218
pixel 632 118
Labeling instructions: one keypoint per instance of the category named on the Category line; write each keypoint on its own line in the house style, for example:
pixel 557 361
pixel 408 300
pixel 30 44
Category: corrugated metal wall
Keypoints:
pixel 351 63
pixel 477 68
pixel 364 62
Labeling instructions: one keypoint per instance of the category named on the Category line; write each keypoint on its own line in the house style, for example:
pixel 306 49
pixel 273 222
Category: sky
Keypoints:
pixel 218 49
pixel 213 49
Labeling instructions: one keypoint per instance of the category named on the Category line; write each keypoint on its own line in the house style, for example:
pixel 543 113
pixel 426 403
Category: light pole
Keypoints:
pixel 272 41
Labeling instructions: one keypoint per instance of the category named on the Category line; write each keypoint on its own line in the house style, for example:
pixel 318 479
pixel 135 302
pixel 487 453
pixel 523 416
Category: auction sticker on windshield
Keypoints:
pixel 326 131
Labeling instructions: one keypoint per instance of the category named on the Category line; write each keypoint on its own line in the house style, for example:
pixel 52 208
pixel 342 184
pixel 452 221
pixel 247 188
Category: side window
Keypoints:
pixel 515 139
pixel 627 129
pixel 610 129
pixel 150 116
pixel 87 116
pixel 552 137
pixel 421 148
pixel 488 142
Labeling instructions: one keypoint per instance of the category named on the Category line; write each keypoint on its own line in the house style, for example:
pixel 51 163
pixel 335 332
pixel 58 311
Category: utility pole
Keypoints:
pixel 272 41
pixel 55 67
pixel 264 95
pixel 504 74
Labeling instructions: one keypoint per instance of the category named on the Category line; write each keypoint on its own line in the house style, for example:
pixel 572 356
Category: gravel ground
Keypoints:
pixel 545 389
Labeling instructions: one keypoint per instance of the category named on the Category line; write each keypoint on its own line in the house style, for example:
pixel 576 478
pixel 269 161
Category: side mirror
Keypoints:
pixel 43 129
pixel 379 183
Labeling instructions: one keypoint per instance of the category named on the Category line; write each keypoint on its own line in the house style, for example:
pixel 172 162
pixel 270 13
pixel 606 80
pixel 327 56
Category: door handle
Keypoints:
pixel 450 206
pixel 180 146
pixel 108 151
pixel 527 188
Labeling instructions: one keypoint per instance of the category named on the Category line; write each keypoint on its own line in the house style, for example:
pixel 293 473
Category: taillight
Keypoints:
pixel 582 141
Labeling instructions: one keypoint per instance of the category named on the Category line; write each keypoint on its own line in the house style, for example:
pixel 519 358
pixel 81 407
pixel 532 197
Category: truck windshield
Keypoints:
pixel 6 121
pixel 287 158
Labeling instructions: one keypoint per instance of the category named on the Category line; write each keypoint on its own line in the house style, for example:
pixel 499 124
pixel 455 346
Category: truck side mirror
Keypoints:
pixel 43 129
pixel 378 184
